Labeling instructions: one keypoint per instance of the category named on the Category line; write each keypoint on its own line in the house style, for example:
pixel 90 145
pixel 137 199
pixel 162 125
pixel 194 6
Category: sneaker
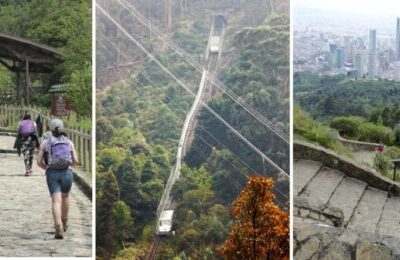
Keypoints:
pixel 59 234
pixel 65 225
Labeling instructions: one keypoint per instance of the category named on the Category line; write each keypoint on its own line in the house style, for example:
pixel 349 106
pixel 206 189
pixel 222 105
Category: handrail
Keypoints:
pixel 11 115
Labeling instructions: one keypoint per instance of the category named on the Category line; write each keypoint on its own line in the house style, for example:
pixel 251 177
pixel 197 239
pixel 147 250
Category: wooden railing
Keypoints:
pixel 10 116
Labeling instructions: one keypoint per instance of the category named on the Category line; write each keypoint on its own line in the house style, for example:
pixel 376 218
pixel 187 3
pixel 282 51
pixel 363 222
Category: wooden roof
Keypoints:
pixel 42 58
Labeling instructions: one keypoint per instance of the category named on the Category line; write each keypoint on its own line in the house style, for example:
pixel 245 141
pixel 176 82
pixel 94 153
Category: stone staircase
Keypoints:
pixel 364 208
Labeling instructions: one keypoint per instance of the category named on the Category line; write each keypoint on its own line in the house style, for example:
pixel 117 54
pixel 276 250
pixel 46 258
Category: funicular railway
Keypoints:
pixel 166 207
pixel 165 210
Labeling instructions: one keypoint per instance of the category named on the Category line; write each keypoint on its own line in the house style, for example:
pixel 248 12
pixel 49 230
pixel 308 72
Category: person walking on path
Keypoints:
pixel 61 155
pixel 27 141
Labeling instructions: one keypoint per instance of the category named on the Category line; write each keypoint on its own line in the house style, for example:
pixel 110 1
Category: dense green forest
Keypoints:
pixel 64 25
pixel 364 110
pixel 327 96
pixel 139 124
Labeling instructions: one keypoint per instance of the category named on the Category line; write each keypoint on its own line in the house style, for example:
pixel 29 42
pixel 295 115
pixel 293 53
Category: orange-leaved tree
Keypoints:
pixel 261 229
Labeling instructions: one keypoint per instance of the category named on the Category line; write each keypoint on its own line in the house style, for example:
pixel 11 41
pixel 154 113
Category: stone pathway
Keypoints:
pixel 26 224
pixel 365 209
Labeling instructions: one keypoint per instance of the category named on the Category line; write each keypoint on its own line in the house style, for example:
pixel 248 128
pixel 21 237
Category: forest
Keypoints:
pixel 139 124
pixel 363 110
pixel 64 25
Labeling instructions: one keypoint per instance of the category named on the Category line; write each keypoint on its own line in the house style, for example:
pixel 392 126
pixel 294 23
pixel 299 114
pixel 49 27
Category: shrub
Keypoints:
pixel 392 152
pixel 396 134
pixel 347 126
pixel 382 164
pixel 313 131
pixel 369 132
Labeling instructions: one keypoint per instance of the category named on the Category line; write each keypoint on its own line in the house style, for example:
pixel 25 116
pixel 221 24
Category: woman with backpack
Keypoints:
pixel 28 140
pixel 56 156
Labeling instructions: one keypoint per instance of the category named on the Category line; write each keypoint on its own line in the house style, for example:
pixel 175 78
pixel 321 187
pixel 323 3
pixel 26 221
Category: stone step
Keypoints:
pixel 304 171
pixel 347 196
pixel 390 220
pixel 320 189
pixel 368 212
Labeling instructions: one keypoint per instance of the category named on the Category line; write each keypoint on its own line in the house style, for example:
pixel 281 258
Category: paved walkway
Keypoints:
pixel 26 224
pixel 365 209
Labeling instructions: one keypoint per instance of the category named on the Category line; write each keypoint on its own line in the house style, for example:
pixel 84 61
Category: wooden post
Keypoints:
pixel 80 146
pixel 90 154
pixel 27 82
pixel 84 153
pixel 396 165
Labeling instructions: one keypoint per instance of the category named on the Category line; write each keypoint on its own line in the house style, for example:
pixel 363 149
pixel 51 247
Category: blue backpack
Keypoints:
pixel 59 152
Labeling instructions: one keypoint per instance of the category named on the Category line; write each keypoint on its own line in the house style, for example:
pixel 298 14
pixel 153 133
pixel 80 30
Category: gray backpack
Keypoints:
pixel 59 151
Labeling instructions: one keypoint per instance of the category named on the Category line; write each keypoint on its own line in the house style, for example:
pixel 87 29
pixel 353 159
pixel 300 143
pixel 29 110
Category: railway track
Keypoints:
pixel 154 248
pixel 204 94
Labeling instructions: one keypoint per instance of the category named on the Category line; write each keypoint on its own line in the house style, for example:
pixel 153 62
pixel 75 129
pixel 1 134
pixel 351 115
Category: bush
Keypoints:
pixel 347 126
pixel 396 133
pixel 313 131
pixel 392 152
pixel 382 164
pixel 369 132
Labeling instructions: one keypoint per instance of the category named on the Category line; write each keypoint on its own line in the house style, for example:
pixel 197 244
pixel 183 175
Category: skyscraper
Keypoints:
pixel 397 48
pixel 372 64
pixel 359 62
pixel 372 54
pixel 340 57
pixel 372 40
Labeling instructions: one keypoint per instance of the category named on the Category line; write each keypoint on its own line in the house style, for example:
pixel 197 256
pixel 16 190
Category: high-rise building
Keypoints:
pixel 340 54
pixel 372 54
pixel 333 55
pixel 397 48
pixel 359 63
pixel 372 64
pixel 372 40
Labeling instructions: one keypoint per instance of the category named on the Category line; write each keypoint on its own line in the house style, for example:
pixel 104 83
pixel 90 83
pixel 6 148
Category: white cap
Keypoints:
pixel 56 123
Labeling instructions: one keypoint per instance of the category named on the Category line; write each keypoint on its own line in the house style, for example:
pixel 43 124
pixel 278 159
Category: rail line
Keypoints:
pixel 203 94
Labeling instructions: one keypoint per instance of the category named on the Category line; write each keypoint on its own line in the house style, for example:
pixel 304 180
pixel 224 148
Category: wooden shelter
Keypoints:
pixel 24 57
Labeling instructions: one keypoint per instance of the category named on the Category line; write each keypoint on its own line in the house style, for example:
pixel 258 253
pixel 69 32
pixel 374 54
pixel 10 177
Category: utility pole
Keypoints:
pixel 149 16
pixel 168 14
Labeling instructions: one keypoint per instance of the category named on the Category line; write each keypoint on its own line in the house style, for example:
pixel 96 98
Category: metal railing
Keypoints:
pixel 10 116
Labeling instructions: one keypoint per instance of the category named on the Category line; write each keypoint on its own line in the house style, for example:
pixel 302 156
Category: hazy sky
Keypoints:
pixel 349 14
pixel 377 7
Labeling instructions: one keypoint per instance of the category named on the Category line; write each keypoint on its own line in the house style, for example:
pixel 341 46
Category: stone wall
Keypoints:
pixel 307 151
pixel 319 241
pixel 357 145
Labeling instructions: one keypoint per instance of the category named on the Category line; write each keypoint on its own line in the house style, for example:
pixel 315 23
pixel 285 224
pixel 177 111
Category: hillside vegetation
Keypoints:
pixel 64 25
pixel 139 124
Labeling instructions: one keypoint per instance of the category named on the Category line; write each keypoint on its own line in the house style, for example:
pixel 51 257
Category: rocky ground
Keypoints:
pixel 318 241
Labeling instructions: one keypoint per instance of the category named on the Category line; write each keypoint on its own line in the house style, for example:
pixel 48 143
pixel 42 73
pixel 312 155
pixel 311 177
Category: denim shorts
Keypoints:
pixel 59 180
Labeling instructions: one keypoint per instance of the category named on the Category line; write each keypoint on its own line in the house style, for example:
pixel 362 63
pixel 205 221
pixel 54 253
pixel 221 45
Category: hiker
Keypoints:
pixel 380 147
pixel 26 141
pixel 61 155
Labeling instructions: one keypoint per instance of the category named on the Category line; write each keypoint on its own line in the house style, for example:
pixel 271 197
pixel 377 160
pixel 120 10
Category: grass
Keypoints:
pixel 308 129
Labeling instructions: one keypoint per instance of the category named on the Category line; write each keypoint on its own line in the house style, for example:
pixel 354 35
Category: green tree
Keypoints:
pixel 128 178
pixel 122 224
pixel 106 196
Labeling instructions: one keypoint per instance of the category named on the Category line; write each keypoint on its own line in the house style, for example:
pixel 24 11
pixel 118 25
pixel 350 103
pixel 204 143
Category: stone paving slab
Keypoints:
pixel 7 142
pixel 26 225
pixel 347 196
pixel 304 171
pixel 322 186
pixel 390 220
pixel 368 212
